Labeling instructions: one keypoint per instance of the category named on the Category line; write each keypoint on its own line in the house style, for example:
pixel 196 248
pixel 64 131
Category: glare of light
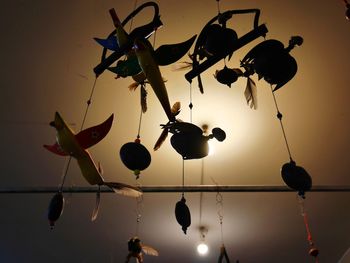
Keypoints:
pixel 202 249
pixel 211 147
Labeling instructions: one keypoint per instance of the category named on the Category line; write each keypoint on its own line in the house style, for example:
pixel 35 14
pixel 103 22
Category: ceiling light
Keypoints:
pixel 202 249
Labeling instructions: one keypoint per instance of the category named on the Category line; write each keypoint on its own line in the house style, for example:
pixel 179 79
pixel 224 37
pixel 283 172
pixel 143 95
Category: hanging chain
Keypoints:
pixel 313 250
pixel 220 205
pixel 139 203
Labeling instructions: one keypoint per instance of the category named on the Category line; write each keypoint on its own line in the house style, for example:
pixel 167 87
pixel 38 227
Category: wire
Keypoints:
pixel 132 19
pixel 191 104
pixel 139 129
pixel 279 116
pixel 88 103
pixel 183 177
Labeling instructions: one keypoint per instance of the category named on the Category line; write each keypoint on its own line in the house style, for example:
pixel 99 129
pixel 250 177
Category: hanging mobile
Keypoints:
pixel 297 178
pixel 313 251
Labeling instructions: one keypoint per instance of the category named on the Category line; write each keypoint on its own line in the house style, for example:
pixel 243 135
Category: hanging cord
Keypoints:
pixel 218 6
pixel 139 129
pixel 183 178
pixel 313 250
pixel 139 202
pixel 88 103
pixel 220 205
pixel 191 104
pixel 279 116
pixel 201 194
pixel 132 19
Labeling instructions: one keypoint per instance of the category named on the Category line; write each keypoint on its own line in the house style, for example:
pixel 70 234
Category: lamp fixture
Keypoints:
pixel 202 247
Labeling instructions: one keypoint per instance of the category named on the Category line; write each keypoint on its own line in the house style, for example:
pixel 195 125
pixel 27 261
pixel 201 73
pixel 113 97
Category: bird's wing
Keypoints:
pixel 150 250
pixel 93 135
pixel 124 189
pixel 168 54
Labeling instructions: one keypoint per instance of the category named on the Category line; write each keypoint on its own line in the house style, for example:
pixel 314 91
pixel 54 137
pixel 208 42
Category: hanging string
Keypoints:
pixel 154 38
pixel 313 250
pixel 132 19
pixel 88 103
pixel 279 116
pixel 139 201
pixel 190 105
pixel 65 173
pixel 218 6
pixel 183 177
pixel 201 194
pixel 139 129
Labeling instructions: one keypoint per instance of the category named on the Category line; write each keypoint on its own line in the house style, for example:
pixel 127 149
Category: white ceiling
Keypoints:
pixel 48 55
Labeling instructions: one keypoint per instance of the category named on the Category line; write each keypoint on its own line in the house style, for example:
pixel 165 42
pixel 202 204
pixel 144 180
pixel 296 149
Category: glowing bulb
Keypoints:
pixel 202 249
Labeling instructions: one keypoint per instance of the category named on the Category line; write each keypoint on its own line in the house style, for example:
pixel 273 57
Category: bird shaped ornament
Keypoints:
pixel 136 250
pixel 121 42
pixel 272 61
pixel 75 145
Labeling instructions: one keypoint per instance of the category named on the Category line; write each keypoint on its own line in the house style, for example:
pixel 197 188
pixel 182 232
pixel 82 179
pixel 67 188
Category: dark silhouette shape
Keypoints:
pixel 296 177
pixel 272 61
pixel 223 255
pixel 164 55
pixel 188 139
pixel 227 76
pixel 135 248
pixel 144 31
pixel 55 208
pixel 183 215
pixel 216 41
pixel 135 156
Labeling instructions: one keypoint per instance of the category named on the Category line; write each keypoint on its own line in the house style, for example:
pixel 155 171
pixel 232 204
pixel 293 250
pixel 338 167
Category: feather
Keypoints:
pixel 182 65
pixel 124 189
pixel 150 251
pixel 97 205
pixel 161 139
pixel 250 94
pixel 143 99
pixel 175 109
pixel 133 86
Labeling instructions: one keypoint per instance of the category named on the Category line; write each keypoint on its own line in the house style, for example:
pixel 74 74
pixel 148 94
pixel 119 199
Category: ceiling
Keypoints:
pixel 48 55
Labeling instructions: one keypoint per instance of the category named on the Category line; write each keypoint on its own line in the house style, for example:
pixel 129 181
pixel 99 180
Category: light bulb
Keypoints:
pixel 202 249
